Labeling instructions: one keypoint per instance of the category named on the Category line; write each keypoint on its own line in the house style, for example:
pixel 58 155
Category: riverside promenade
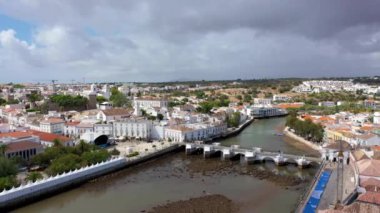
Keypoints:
pixel 312 145
pixel 31 192
pixel 232 132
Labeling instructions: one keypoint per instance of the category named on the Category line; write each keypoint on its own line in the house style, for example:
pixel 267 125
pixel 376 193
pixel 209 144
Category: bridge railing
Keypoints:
pixel 254 149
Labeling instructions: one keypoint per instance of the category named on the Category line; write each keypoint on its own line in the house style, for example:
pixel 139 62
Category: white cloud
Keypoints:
pixel 142 40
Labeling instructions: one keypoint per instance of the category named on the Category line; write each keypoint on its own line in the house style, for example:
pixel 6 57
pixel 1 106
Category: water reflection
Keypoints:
pixel 178 176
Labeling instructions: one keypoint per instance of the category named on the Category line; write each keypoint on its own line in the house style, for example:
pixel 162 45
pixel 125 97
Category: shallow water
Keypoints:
pixel 177 177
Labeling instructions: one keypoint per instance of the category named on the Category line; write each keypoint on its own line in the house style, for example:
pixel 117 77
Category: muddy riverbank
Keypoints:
pixel 207 203
pixel 177 177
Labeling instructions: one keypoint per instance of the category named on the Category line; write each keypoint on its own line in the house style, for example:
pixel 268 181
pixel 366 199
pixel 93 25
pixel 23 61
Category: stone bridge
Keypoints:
pixel 254 155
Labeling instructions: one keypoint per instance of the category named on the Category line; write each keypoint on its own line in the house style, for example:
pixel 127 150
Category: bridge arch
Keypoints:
pixel 314 164
pixel 291 161
pixel 237 156
pixel 268 159
pixel 218 153
pixel 198 150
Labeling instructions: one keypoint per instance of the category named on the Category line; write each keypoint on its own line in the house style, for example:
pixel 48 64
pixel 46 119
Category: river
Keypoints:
pixel 254 188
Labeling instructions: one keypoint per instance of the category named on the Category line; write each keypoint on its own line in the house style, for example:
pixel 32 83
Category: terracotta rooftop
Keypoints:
pixel 24 145
pixel 15 134
pixel 181 128
pixel 116 111
pixel 376 148
pixel 370 197
pixel 150 99
pixel 290 105
pixel 53 120
pixel 366 136
pixel 359 155
pixel 367 128
pixel 336 145
pixel 72 123
pixel 369 167
pixel 371 184
pixel 49 137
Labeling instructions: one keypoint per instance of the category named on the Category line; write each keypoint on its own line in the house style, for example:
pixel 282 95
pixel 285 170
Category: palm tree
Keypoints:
pixel 57 142
pixel 33 176
pixel 3 149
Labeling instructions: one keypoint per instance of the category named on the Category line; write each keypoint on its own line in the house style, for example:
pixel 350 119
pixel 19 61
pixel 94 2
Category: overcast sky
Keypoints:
pixel 166 40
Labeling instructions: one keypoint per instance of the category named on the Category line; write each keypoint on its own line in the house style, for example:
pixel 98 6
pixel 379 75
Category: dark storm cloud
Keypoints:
pixel 315 19
pixel 181 39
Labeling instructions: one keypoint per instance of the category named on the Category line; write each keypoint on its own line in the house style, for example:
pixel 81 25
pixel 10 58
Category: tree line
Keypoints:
pixel 59 159
pixel 305 128
pixel 67 102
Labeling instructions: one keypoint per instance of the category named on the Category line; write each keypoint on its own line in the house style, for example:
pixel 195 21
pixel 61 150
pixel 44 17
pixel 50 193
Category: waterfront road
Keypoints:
pixel 329 198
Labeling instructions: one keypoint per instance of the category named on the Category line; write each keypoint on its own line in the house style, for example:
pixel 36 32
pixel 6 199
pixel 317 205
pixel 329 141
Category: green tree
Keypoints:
pixel 233 120
pixel 119 99
pixel 160 117
pixel 94 157
pixel 2 102
pixel 69 102
pixel 3 149
pixel 114 151
pixel 247 98
pixel 7 167
pixel 205 107
pixel 33 98
pixel 83 147
pixel 306 129
pixel 64 163
pixel 33 176
pixel 8 182
pixel 101 99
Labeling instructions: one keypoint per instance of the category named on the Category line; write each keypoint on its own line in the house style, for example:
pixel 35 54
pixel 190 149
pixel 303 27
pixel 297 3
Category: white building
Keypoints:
pixel 4 127
pixel 132 128
pixel 52 125
pixel 262 112
pixel 105 106
pixel 262 101
pixel 143 103
pixel 113 114
pixel 194 132
pixel 376 118
pixel 326 104
pixel 106 91
pixel 277 98
pixel 104 129
pixel 370 104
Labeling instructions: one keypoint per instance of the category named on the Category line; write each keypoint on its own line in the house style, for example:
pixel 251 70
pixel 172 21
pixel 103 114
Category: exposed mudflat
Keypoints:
pixel 210 167
pixel 206 204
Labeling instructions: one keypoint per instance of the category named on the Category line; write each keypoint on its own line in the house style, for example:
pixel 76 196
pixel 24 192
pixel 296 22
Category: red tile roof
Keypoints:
pixel 116 111
pixel 371 184
pixel 20 146
pixel 53 120
pixel 370 197
pixel 72 123
pixel 369 167
pixel 15 134
pixel 50 137
pixel 290 105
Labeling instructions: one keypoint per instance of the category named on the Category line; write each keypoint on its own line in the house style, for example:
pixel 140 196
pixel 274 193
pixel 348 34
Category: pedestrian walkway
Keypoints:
pixel 316 195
